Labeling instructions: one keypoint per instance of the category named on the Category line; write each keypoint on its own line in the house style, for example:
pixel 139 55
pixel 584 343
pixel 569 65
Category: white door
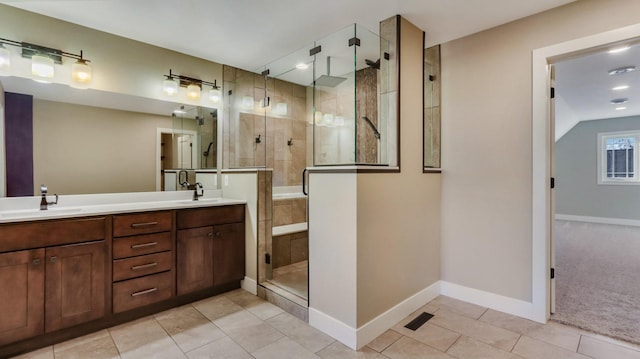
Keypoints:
pixel 184 151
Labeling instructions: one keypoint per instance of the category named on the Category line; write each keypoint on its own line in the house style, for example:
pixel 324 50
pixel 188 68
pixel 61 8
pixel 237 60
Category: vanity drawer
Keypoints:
pixel 141 223
pixel 142 265
pixel 142 291
pixel 202 217
pixel 139 245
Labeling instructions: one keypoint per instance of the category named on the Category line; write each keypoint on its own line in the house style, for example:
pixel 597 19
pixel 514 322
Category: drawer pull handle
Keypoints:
pixel 53 259
pixel 145 224
pixel 142 245
pixel 143 266
pixel 36 262
pixel 146 291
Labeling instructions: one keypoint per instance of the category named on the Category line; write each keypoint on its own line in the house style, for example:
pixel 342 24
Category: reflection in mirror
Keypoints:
pixel 432 107
pixel 90 141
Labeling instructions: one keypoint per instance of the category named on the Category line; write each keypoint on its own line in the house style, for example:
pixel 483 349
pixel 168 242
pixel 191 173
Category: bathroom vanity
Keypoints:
pixel 66 273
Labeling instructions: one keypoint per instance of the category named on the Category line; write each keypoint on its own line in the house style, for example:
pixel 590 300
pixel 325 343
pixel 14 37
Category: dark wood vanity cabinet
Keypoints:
pixel 210 247
pixel 142 259
pixel 53 283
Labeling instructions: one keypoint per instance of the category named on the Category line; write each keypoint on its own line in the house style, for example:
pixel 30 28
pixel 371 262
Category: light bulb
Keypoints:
pixel 5 61
pixel 193 92
pixel 170 87
pixel 41 68
pixel 214 95
pixel 80 74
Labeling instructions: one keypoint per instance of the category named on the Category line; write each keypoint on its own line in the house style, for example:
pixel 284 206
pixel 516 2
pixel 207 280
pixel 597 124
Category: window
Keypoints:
pixel 618 158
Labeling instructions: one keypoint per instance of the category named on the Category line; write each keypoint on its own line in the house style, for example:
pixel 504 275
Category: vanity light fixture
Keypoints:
pixel 194 86
pixel 215 95
pixel 42 62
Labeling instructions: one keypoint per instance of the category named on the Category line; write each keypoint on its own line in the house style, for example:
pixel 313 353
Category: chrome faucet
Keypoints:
pixel 44 204
pixel 197 195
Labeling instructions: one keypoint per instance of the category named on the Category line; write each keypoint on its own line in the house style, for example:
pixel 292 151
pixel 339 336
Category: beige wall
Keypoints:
pixel 486 139
pixel 83 149
pixel 399 214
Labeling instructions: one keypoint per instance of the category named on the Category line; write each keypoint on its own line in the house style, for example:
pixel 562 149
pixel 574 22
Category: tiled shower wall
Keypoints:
pixel 255 137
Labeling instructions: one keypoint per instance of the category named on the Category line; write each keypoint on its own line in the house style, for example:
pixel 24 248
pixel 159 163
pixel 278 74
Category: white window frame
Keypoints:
pixel 602 155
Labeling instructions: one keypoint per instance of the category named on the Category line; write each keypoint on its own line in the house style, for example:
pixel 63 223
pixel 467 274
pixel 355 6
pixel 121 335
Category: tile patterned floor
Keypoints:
pixel 240 325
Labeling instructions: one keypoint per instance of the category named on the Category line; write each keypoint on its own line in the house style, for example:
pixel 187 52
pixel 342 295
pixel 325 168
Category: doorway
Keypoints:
pixel 542 154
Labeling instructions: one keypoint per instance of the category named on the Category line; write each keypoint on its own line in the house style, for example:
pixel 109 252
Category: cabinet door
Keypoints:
pixel 228 253
pixel 75 287
pixel 195 259
pixel 21 295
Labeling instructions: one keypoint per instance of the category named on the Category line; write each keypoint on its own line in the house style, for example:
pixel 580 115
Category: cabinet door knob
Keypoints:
pixel 218 234
pixel 53 259
pixel 36 262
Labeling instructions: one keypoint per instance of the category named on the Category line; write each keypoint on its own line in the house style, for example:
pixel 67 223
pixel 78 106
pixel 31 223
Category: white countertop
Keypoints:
pixel 28 208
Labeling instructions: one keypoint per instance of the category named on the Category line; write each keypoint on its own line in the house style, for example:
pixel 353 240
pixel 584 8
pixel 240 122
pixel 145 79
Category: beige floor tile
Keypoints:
pixel 385 339
pixel 224 348
pixel 537 349
pixel 248 330
pixel 265 310
pixel 96 345
pixel 557 334
pixel 284 348
pixel 487 333
pixel 604 350
pixel 44 353
pixel 458 307
pixel 407 348
pixel 188 327
pixel 432 335
pixel 144 338
pixel 338 350
pixel 467 347
pixel 216 307
pixel 305 335
pixel 509 322
pixel 617 342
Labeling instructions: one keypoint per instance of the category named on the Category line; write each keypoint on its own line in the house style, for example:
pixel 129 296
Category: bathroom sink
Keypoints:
pixel 201 200
pixel 35 213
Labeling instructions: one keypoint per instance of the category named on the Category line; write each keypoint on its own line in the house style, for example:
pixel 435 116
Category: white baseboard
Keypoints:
pixel 494 301
pixel 333 327
pixel 357 338
pixel 602 220
pixel 391 317
pixel 250 285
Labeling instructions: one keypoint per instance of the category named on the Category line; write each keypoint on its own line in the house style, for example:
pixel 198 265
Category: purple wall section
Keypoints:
pixel 18 123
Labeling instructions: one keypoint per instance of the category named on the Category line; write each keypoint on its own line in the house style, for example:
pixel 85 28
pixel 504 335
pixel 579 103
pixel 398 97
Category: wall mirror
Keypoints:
pixel 90 141
pixel 431 124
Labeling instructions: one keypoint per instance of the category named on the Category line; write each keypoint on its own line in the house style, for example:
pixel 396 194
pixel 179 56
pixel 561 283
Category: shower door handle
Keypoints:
pixel 304 181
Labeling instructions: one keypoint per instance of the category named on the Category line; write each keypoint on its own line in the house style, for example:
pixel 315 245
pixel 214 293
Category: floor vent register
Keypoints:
pixel 419 321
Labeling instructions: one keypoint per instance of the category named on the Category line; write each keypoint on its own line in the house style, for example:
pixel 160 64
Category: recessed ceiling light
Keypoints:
pixel 620 108
pixel 302 66
pixel 619 101
pixel 619 88
pixel 622 70
pixel 618 50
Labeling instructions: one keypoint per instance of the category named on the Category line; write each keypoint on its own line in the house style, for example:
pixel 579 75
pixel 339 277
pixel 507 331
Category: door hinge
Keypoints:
pixel 552 94
pixel 267 258
pixel 553 182
pixel 553 273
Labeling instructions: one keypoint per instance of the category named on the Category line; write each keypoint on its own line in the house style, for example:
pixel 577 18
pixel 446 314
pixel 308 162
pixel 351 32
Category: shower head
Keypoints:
pixel 328 80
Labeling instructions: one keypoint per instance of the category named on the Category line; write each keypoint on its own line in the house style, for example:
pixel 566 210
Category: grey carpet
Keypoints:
pixel 597 281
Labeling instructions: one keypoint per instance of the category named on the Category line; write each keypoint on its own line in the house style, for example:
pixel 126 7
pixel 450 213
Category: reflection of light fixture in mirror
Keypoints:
pixel 42 62
pixel 281 108
pixel 80 74
pixel 193 92
pixel 170 87
pixel 302 66
pixel 247 102
pixel 618 50
pixel 41 68
pixel 328 120
pixel 215 95
pixel 339 121
pixel 5 60
pixel 318 118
